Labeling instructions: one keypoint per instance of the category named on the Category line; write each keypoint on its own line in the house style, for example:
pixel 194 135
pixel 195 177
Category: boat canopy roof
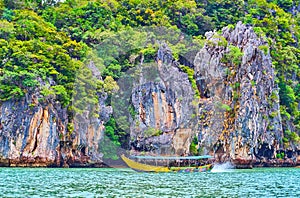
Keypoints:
pixel 173 157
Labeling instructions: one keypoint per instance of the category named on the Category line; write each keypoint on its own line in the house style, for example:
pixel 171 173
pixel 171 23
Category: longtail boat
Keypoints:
pixel 141 167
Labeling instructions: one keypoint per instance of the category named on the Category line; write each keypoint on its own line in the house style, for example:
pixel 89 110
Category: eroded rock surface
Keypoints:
pixel 239 107
pixel 41 134
pixel 164 124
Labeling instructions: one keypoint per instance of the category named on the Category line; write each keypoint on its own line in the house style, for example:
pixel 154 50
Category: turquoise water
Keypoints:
pixel 38 182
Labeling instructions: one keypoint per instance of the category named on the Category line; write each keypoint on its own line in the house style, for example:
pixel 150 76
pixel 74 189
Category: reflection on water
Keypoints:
pixel 20 182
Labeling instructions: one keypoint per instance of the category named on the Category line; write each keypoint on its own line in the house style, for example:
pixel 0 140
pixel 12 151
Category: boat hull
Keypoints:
pixel 143 167
pixel 149 168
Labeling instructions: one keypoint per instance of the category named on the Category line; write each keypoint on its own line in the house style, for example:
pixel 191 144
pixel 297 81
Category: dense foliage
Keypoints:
pixel 47 39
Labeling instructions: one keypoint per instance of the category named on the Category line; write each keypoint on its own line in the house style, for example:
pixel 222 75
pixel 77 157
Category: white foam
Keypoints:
pixel 225 167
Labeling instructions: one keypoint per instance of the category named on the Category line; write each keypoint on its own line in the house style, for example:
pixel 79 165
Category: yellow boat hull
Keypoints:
pixel 144 167
pixel 149 168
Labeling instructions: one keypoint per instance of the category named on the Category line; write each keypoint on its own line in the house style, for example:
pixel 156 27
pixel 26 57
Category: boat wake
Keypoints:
pixel 225 167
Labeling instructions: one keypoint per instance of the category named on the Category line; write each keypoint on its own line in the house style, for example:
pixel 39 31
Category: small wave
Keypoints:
pixel 225 167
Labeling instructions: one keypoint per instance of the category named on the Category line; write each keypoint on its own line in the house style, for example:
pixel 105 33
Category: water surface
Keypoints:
pixel 43 182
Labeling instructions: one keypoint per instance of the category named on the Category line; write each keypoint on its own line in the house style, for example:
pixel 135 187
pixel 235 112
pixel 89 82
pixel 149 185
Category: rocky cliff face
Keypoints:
pixel 237 117
pixel 239 99
pixel 35 132
pixel 164 123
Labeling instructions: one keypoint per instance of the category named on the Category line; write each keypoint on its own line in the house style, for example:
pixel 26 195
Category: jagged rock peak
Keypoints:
pixel 239 99
pixel 164 54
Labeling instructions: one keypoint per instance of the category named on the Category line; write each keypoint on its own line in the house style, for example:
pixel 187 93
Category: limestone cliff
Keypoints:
pixel 38 131
pixel 164 123
pixel 237 117
pixel 239 105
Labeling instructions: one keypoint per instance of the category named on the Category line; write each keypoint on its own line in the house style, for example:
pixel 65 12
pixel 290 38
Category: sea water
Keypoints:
pixel 46 182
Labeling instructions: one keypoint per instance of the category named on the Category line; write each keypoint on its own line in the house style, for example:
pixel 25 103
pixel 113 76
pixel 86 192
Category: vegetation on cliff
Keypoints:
pixel 45 41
